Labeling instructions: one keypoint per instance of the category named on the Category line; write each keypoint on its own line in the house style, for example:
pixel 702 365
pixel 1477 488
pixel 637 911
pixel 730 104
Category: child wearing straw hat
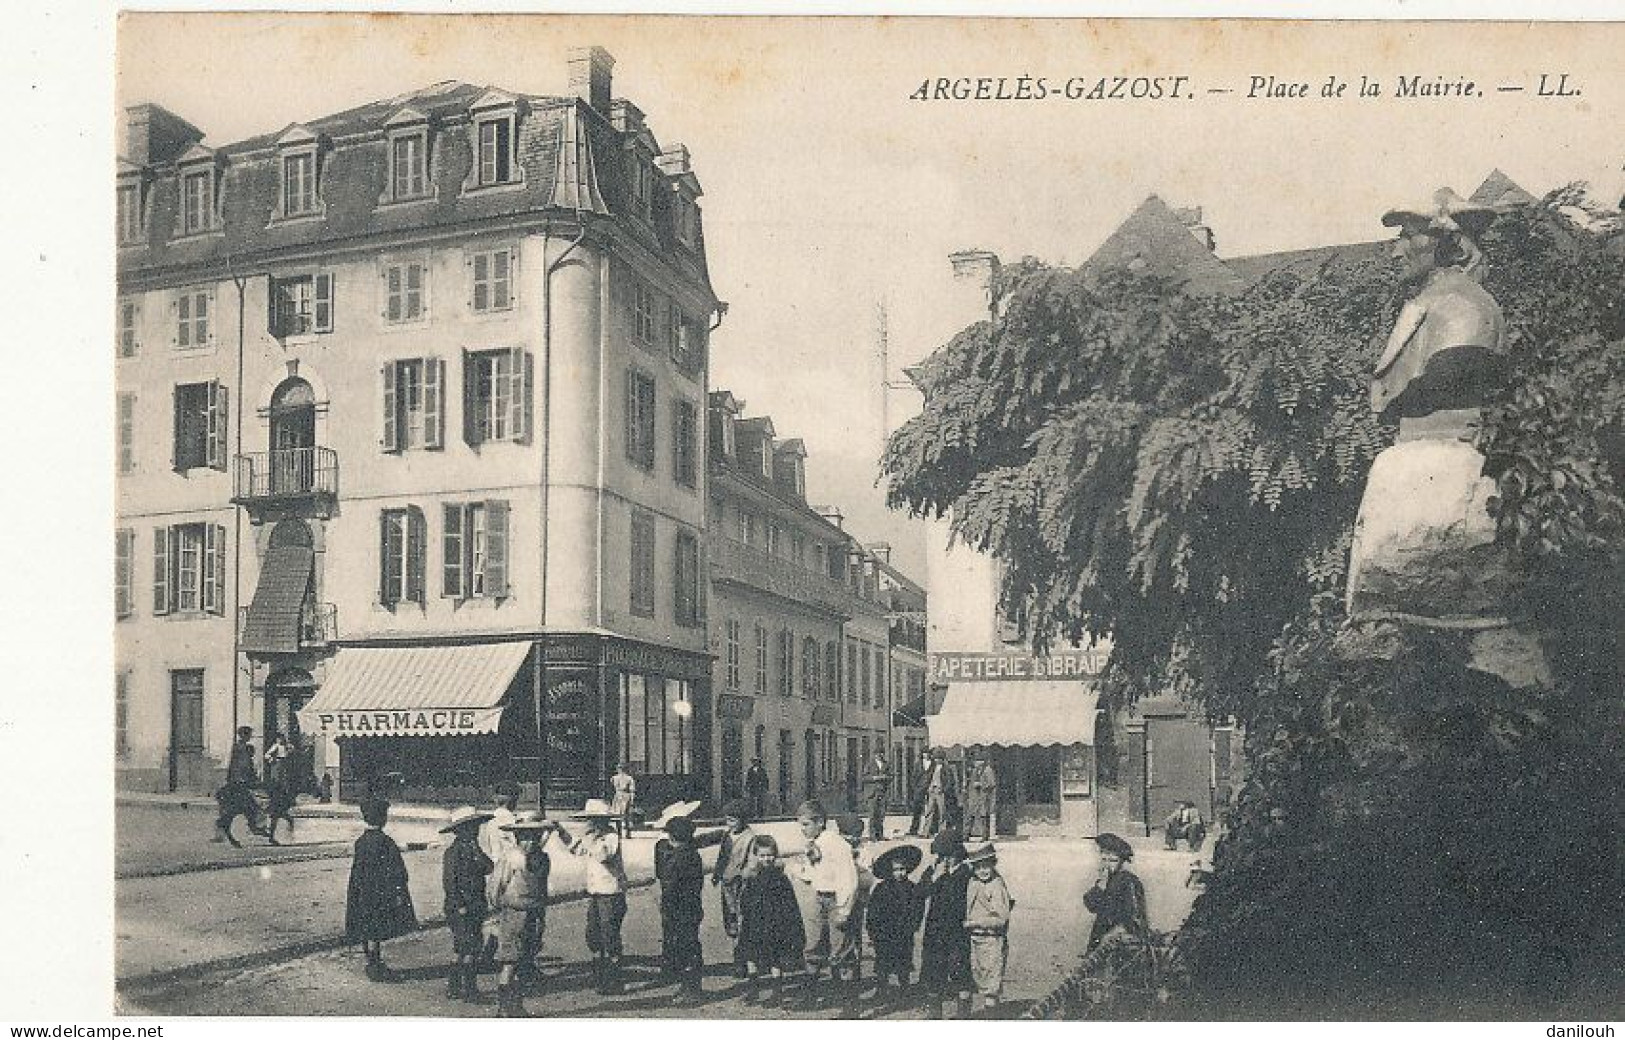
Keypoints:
pixel 987 922
pixel 894 916
pixel 681 874
pixel 600 847
pixel 462 873
pixel 520 901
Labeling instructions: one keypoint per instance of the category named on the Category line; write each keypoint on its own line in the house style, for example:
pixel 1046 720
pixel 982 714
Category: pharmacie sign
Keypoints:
pixel 413 722
pixel 1071 664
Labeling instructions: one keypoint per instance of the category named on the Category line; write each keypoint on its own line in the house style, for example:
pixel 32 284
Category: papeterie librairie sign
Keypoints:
pixel 1070 664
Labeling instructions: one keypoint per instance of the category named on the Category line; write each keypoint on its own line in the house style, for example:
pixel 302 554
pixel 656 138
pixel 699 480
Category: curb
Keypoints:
pixel 342 851
pixel 291 951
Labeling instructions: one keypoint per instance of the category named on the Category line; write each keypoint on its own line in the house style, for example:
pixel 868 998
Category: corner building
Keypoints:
pixel 410 446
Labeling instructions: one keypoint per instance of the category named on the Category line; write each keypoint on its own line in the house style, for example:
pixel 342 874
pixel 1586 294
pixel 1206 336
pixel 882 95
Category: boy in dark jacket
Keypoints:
pixel 945 949
pixel 894 917
pixel 770 931
pixel 681 874
pixel 378 905
pixel 733 860
pixel 462 874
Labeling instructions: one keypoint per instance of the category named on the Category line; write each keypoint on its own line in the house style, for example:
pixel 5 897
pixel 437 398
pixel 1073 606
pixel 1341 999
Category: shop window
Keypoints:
pixel 655 714
pixel 1040 775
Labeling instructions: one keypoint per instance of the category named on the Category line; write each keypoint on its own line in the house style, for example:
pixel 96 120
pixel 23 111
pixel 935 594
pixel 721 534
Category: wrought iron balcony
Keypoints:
pixel 285 475
pixel 318 626
pixel 753 566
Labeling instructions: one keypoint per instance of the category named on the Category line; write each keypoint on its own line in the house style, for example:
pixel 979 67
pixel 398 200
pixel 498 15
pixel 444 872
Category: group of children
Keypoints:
pixel 495 877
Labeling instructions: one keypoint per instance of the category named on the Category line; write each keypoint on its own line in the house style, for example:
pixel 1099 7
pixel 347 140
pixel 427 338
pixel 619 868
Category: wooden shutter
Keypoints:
pixel 162 589
pixel 123 577
pixel 471 426
pixel 214 569
pixel 323 308
pixel 434 403
pixel 496 548
pixel 392 433
pixel 479 287
pixel 451 552
pixel 520 369
pixel 218 421
pixel 632 415
pixel 499 415
pixel 177 452
pixel 275 308
pixel 389 567
pixel 416 536
pixel 510 277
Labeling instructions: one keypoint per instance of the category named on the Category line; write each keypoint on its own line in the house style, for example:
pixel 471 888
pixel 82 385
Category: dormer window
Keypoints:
pixel 406 167
pixel 132 212
pixel 728 436
pixel 686 220
pixel 496 150
pixel 197 202
pixel 643 186
pixel 407 134
pixel 299 184
pixel 767 455
pixel 494 138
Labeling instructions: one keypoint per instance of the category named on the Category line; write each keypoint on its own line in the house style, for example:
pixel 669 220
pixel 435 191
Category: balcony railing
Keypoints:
pixel 318 625
pixel 750 565
pixel 266 476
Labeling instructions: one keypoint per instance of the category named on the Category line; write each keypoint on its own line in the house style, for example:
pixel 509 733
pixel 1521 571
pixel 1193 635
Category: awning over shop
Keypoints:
pixel 416 691
pixel 272 626
pixel 1014 714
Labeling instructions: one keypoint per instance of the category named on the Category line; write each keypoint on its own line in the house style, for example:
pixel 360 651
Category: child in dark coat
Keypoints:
pixel 682 878
pixel 462 874
pixel 945 949
pixel 378 905
pixel 770 932
pixel 894 916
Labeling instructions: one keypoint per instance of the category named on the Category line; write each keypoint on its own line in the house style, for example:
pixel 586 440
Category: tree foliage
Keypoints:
pixel 1181 473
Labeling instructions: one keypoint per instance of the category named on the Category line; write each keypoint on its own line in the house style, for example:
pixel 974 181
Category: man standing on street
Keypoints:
pixel 756 788
pixel 935 782
pixel 981 798
pixel 916 794
pixel 877 788
pixel 237 796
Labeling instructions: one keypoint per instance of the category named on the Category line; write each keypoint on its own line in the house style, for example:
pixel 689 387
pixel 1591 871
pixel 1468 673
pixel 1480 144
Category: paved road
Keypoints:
pixel 1048 879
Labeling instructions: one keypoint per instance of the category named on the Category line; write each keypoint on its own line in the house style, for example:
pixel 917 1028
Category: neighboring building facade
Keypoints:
pixel 410 448
pixel 797 624
pixel 905 602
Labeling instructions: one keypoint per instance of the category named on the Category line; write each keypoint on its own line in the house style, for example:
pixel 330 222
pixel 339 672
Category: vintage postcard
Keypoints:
pixel 868 518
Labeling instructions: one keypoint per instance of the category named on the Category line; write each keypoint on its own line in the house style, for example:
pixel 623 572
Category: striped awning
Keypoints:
pixel 414 691
pixel 1014 714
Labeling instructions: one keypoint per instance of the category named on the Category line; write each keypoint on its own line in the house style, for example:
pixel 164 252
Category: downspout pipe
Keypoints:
pixel 539 677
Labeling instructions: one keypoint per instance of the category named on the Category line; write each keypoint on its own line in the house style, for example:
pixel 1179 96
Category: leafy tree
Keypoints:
pixel 1181 473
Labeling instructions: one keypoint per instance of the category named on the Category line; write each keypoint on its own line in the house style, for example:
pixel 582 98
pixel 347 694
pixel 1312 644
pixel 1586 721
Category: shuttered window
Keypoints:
pixel 401 538
pixel 126 433
pixel 189 569
pixel 414 413
pixel 811 687
pixel 193 326
pixel 491 280
pixel 761 659
pixel 642 562
pixel 497 392
pixel 640 419
pixel 129 324
pixel 686 444
pixel 121 714
pixel 406 291
pixel 733 651
pixel 474 550
pixel 123 572
pixel 201 423
pixel 688 580
pixel 832 669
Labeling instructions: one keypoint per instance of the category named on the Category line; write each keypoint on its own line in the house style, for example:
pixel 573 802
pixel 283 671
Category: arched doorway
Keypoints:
pixel 286 691
pixel 293 437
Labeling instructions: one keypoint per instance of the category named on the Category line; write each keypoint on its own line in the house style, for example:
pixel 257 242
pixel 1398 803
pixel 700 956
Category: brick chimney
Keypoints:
pixel 591 71
pixel 974 273
pixel 882 550
pixel 1191 217
pixel 155 135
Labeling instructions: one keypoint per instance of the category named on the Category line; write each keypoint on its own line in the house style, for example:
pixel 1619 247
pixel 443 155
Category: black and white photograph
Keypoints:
pixel 852 518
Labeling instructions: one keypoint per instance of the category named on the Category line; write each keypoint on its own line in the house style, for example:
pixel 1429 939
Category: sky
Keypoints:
pixel 829 192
